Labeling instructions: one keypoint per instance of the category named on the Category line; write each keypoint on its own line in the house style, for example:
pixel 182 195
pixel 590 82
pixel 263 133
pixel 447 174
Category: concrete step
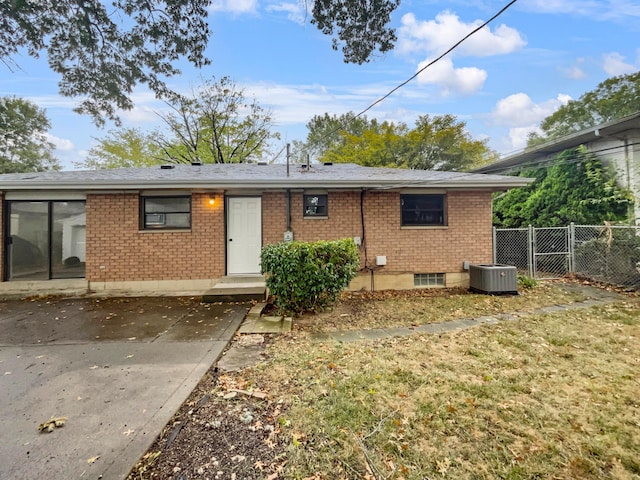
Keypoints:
pixel 236 289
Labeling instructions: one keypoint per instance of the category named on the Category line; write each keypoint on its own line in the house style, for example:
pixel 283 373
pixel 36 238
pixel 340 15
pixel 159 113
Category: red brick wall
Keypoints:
pixel 343 218
pixel 468 235
pixel 115 241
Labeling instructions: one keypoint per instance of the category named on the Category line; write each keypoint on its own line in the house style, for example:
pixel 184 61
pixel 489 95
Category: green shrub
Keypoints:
pixel 306 276
pixel 526 282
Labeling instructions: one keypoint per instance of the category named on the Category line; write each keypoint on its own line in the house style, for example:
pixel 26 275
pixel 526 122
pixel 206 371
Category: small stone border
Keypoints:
pixel 448 326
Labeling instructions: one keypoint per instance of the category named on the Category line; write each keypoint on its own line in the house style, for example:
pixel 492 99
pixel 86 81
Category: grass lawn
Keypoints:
pixel 544 396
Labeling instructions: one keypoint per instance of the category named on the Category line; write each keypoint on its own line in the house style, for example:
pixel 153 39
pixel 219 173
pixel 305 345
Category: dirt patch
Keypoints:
pixel 224 430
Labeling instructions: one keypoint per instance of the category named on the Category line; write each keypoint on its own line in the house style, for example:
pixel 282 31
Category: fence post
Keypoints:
pixel 495 238
pixel 572 247
pixel 531 252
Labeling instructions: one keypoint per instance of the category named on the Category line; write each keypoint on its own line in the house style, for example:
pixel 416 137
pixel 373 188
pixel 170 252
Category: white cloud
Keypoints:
pixel 296 12
pixel 613 64
pixel 61 144
pixel 436 36
pixel 293 104
pixel 465 81
pixel 574 73
pixel 234 6
pixel 519 110
pixel 523 116
pixel 518 136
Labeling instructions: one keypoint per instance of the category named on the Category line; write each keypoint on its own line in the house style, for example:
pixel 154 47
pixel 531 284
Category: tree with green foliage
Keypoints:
pixel 216 124
pixel 360 27
pixel 378 145
pixel 124 148
pixel 576 187
pixel 326 132
pixel 102 50
pixel 612 99
pixel 24 146
pixel 440 142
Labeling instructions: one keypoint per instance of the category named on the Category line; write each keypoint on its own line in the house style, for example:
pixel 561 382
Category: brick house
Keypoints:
pixel 180 228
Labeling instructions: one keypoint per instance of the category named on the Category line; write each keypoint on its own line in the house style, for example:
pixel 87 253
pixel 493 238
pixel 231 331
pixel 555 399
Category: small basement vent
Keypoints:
pixel 493 278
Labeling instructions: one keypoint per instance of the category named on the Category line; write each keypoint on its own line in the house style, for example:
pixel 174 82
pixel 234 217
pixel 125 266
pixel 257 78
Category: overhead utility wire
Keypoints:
pixel 456 45
pixel 576 158
pixel 398 87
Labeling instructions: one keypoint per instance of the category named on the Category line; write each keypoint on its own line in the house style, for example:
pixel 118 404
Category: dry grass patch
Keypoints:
pixel 546 396
pixel 366 310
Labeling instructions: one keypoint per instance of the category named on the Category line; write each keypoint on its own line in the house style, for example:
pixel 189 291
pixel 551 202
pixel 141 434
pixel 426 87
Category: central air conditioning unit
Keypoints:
pixel 493 278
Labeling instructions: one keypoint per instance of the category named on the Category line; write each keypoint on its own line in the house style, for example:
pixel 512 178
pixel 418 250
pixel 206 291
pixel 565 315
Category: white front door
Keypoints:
pixel 244 235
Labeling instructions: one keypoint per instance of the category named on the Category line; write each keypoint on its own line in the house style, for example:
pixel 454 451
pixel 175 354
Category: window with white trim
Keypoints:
pixel 165 212
pixel 423 210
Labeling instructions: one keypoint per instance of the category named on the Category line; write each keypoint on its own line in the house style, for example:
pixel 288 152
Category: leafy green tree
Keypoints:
pixel 577 188
pixel 123 148
pixel 614 98
pixel 327 132
pixel 102 50
pixel 441 142
pixel 379 145
pixel 24 146
pixel 216 124
pixel 359 26
pixel 435 143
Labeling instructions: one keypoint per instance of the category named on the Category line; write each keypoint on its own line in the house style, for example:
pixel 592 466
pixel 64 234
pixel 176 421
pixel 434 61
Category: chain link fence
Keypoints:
pixel 605 253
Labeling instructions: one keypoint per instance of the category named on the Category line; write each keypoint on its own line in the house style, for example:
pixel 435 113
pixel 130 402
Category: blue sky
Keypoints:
pixel 502 81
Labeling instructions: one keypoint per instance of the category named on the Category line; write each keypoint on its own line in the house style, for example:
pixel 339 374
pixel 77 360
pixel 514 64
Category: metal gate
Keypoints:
pixel 541 253
pixel 551 252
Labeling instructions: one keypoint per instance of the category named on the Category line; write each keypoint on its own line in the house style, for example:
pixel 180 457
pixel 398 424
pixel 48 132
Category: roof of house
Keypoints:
pixel 254 176
pixel 615 128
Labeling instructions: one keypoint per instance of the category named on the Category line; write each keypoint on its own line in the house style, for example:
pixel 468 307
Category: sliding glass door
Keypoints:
pixel 46 239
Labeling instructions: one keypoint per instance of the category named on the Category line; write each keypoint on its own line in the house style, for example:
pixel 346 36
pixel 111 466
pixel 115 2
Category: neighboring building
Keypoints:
pixel 616 142
pixel 185 227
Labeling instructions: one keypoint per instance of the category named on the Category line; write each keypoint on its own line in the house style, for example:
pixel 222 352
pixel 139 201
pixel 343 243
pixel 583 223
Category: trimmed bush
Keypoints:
pixel 307 277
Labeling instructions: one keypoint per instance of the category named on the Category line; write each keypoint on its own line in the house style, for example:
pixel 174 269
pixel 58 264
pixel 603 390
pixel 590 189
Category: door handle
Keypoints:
pixel 231 239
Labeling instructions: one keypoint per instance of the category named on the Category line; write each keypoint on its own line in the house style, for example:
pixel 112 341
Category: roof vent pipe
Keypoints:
pixel 167 167
pixel 196 164
pixel 288 151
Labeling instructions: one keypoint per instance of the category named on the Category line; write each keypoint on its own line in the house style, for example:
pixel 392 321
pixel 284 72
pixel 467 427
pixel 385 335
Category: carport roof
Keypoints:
pixel 256 176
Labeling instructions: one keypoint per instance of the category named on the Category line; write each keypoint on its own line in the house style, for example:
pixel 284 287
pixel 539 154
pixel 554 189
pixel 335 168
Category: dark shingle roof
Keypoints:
pixel 228 176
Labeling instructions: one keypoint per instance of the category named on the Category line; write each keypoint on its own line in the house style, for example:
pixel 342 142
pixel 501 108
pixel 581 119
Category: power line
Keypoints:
pixel 554 160
pixel 447 52
pixel 398 87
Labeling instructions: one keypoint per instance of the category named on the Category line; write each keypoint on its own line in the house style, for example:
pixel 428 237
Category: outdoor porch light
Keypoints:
pixel 212 201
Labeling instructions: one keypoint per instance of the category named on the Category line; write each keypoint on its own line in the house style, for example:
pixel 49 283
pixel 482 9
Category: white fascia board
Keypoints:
pixel 507 182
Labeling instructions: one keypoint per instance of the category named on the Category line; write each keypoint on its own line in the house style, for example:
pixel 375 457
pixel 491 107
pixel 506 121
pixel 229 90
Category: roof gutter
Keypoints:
pixel 508 182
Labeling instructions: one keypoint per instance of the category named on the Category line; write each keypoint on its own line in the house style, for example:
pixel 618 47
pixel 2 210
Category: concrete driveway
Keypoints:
pixel 117 369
